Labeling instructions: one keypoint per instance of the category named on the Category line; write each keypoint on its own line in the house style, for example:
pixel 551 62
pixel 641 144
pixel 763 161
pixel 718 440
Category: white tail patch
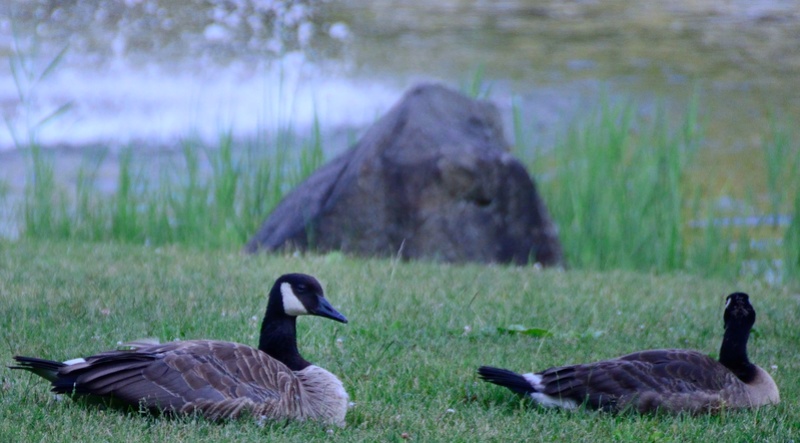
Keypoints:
pixel 545 400
pixel 291 304
pixel 553 402
pixel 535 380
pixel 74 361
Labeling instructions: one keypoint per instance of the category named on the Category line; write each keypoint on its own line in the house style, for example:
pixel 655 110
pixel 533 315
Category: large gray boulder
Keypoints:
pixel 432 179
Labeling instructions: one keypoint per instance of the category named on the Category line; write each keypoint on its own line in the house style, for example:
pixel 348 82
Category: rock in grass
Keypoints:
pixel 432 179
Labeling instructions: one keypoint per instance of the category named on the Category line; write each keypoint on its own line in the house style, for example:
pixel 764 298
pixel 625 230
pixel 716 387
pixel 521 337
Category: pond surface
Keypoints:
pixel 147 73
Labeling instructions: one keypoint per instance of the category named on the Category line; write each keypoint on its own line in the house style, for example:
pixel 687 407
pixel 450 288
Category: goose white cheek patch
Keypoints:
pixel 291 304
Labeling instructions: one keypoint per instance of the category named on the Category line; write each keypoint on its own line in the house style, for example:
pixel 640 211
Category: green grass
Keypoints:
pixel 417 333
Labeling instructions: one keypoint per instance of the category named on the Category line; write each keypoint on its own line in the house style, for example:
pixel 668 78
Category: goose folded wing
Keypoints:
pixel 599 385
pixel 657 376
pixel 247 381
pixel 174 376
pixel 679 371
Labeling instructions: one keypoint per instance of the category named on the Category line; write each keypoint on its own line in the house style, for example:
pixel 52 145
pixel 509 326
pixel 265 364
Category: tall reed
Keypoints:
pixel 614 185
pixel 791 242
pixel 787 186
pixel 618 183
pixel 209 197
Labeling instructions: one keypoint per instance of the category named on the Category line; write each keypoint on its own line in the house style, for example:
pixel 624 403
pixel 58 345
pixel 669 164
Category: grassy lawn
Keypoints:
pixel 417 333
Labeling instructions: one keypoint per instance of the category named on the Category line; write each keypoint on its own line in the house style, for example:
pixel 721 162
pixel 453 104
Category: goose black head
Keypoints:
pixel 301 294
pixel 739 311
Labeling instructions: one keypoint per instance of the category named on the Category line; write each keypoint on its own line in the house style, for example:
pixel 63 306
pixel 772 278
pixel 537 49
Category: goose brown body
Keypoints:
pixel 216 379
pixel 670 380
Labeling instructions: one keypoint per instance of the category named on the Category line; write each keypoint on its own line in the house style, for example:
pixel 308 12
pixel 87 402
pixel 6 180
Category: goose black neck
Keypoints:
pixel 279 340
pixel 733 353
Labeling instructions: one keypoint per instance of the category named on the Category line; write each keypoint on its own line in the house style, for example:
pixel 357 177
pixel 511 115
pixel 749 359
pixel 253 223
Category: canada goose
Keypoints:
pixel 671 380
pixel 215 379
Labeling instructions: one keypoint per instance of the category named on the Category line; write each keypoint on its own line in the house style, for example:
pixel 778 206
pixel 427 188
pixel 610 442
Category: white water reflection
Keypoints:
pixel 123 104
pixel 152 71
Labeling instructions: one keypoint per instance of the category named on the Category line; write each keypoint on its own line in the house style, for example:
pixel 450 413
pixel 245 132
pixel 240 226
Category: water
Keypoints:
pixel 148 73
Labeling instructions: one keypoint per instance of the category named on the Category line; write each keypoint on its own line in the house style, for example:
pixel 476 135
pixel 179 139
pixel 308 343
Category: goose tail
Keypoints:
pixel 509 379
pixel 47 369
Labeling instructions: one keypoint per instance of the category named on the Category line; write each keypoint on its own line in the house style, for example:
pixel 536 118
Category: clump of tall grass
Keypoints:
pixel 43 199
pixel 791 242
pixel 25 122
pixel 782 157
pixel 618 184
pixel 614 187
pixel 210 197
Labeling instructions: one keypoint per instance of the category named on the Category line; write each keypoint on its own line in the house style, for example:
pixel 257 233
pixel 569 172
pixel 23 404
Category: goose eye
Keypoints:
pixel 302 287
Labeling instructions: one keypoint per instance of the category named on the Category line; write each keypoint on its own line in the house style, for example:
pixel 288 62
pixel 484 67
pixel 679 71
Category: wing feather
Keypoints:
pixel 219 380
pixel 647 380
pixel 223 378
